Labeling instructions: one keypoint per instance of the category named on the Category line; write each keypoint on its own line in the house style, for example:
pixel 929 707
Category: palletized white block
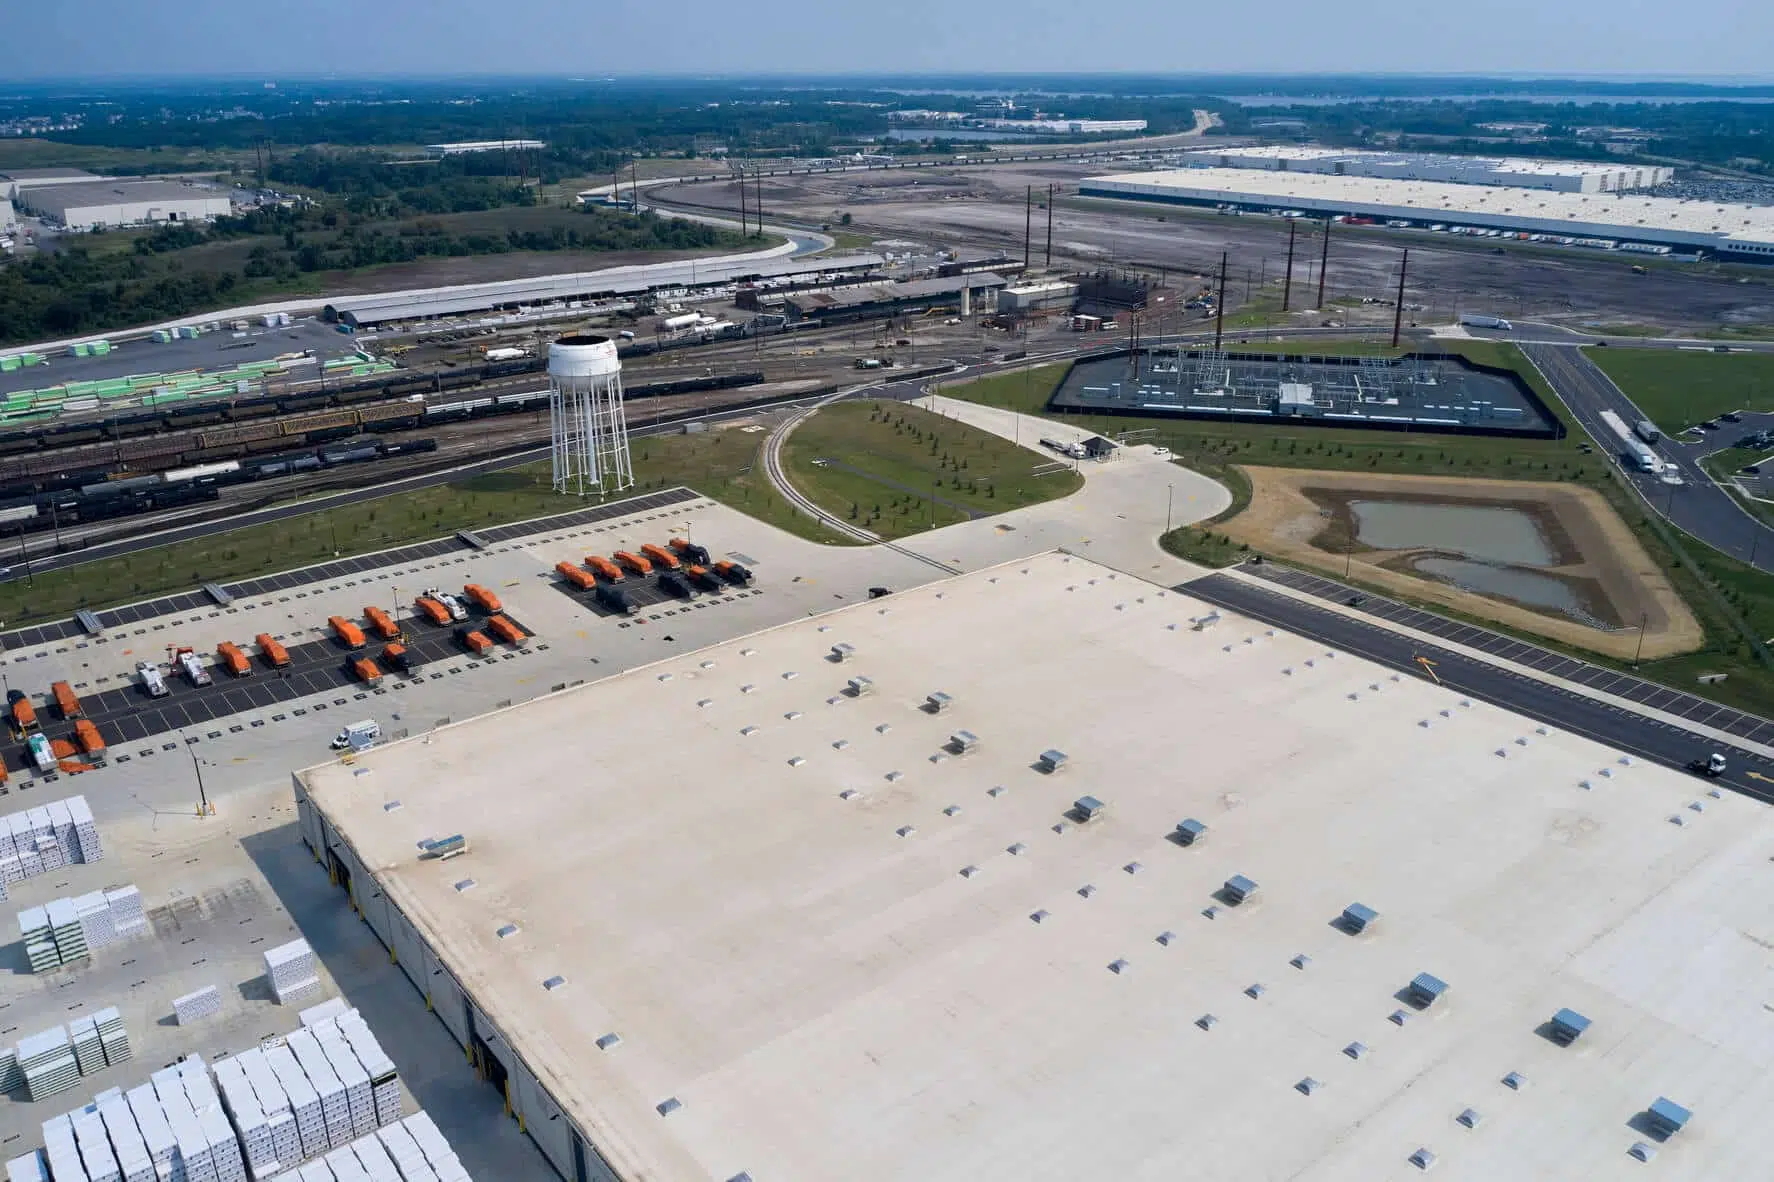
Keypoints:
pixel 198 1004
pixel 32 1167
pixel 325 1012
pixel 86 832
pixel 156 1133
pixel 95 1148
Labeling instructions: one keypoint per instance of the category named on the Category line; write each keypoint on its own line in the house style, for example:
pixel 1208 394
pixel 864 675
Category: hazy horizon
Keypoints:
pixel 83 40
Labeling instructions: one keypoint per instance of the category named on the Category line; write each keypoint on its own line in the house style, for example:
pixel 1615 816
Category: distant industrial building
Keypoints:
pixel 1093 881
pixel 19 179
pixel 1608 221
pixel 1065 126
pixel 1046 296
pixel 1564 176
pixel 876 300
pixel 92 206
pixel 467 146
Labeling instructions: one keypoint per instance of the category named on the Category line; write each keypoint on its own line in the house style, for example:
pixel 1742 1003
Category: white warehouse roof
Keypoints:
pixel 1589 175
pixel 1692 224
pixel 831 949
pixel 111 201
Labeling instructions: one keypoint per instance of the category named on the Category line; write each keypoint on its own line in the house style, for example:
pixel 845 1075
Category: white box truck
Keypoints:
pixel 1487 322
pixel 152 682
pixel 358 735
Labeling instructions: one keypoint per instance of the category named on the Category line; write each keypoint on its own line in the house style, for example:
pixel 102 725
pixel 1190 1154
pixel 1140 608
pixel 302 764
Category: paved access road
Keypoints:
pixel 1697 506
pixel 1617 727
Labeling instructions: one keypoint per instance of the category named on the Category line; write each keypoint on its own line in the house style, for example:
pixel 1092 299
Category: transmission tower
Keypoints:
pixel 588 426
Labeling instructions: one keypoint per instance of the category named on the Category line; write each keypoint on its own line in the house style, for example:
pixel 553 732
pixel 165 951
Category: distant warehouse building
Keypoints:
pixel 1607 221
pixel 466 146
pixel 19 179
pixel 877 300
pixel 114 203
pixel 1565 176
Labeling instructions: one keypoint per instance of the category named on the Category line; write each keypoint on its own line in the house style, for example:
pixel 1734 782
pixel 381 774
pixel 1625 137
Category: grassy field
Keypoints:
pixel 1679 388
pixel 1731 600
pixel 34 153
pixel 898 470
pixel 718 464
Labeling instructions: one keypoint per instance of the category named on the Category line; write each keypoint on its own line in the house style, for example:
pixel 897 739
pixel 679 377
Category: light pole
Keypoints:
pixel 1169 496
pixel 203 807
pixel 1643 619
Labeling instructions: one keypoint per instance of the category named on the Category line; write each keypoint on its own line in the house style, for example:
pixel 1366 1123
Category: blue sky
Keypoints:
pixel 60 38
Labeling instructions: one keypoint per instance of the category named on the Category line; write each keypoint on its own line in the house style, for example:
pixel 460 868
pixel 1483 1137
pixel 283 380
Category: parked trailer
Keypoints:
pixel 272 650
pixel 24 715
pixel 153 684
pixel 1632 449
pixel 366 670
pixel 67 703
pixel 633 563
pixel 572 574
pixel 506 631
pixel 605 568
pixel 689 551
pixel 706 579
pixel 660 557
pixel 1476 321
pixel 42 754
pixel 397 658
pixel 229 657
pixel 383 627
pixel 616 599
pixel 432 610
pixel 349 634
pixel 474 641
pixel 483 599
pixel 91 742
pixel 1647 431
pixel 738 575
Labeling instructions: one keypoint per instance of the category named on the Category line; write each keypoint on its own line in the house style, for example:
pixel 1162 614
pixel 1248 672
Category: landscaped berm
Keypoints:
pixel 1547 558
pixel 898 470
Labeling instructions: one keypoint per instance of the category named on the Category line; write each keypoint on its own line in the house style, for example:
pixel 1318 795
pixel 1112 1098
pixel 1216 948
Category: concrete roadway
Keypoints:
pixel 1697 506
pixel 1543 701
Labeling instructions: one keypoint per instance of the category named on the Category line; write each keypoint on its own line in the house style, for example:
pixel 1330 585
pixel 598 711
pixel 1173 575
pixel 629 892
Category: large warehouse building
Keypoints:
pixel 1565 176
pixel 1062 875
pixel 111 203
pixel 1625 221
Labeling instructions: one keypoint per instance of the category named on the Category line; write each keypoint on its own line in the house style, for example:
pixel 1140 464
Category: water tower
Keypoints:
pixel 587 422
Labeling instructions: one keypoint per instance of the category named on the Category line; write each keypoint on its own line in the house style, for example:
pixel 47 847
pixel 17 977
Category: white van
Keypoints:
pixel 358 735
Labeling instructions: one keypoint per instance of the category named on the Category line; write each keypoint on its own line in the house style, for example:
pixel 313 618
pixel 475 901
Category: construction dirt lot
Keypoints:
pixel 984 207
pixel 1304 516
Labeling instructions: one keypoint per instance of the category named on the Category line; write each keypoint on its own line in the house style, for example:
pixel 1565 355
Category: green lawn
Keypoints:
pixel 1677 388
pixel 898 470
pixel 718 464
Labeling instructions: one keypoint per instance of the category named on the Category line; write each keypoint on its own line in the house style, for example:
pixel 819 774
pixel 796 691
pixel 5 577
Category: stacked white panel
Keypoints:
pixel 292 972
pixel 47 1062
pixel 112 1036
pixel 286 1142
pixel 317 1171
pixel 250 1121
pixel 60 1151
pixel 304 1101
pixel 156 1133
pixel 95 1148
pixel 32 1167
pixel 61 823
pixel 344 1165
pixel 49 849
pixel 89 1053
pixel 39 940
pixel 30 862
pixel 408 1157
pixel 94 914
pixel 438 1154
pixel 326 1011
pixel 197 1005
pixel 64 928
pixel 384 1081
pixel 11 1078
pixel 86 833
pixel 126 1141
pixel 344 1063
pixel 125 905
pixel 375 1160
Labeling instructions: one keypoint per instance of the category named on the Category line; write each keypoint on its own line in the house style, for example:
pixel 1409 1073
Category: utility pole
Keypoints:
pixel 1287 284
pixel 1398 309
pixel 743 224
pixel 203 809
pixel 1028 223
pixel 757 205
pixel 1323 258
pixel 1219 306
pixel 1049 263
pixel 634 184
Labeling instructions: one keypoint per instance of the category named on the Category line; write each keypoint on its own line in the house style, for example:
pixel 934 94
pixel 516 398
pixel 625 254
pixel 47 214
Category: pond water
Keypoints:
pixel 1505 582
pixel 1486 533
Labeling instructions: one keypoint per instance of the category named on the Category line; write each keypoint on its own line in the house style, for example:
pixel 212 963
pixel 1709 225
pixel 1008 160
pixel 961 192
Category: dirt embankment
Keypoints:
pixel 1303 516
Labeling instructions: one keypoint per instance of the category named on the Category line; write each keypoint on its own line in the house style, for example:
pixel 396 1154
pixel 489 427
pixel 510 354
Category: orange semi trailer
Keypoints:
pixel 634 563
pixel 434 611
pixel 505 630
pixel 366 671
pixel 475 642
pixel 605 568
pixel 487 601
pixel 660 557
pixel 272 649
pixel 24 715
pixel 575 576
pixel 87 735
pixel 384 627
pixel 229 656
pixel 349 634
pixel 67 703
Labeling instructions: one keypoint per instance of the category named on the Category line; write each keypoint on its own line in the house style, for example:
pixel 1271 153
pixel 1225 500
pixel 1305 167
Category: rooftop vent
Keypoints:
pixel 1666 1118
pixel 1307 1086
pixel 1166 939
pixel 1398 1017
pixel 1471 1118
pixel 609 1042
pixel 1356 917
pixel 1255 991
pixel 1051 761
pixel 444 848
pixel 1356 1050
pixel 938 702
pixel 843 652
pixel 554 982
pixel 1038 916
pixel 1086 808
pixel 1515 1081
pixel 1642 1151
pixel 1190 831
pixel 962 742
pixel 1119 966
pixel 1423 1159
pixel 1566 1027
pixel 1207 1021
pixel 1425 990
pixel 1017 848
pixel 860 686
pixel 953 810
pixel 1300 961
pixel 390 806
pixel 1132 868
pixel 1237 889
pixel 668 1106
pixel 969 871
pixel 506 931
pixel 1087 890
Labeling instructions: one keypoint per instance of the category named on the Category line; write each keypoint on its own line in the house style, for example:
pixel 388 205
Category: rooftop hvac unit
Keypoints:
pixel 444 848
pixel 1237 889
pixel 1356 917
pixel 1051 760
pixel 961 742
pixel 1190 831
pixel 1666 1118
pixel 1425 990
pixel 843 652
pixel 1567 1026
pixel 938 702
pixel 1086 808
pixel 859 686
